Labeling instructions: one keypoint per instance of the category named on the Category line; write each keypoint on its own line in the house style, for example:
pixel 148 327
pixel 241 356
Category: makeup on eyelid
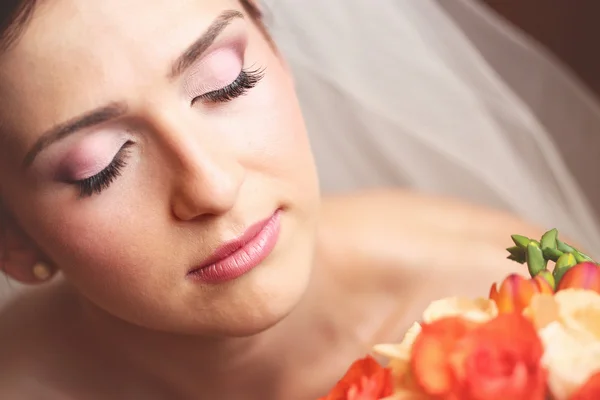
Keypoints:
pixel 214 72
pixel 96 151
pixel 90 156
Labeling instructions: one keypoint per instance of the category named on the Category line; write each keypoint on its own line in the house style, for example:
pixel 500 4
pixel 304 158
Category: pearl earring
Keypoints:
pixel 42 272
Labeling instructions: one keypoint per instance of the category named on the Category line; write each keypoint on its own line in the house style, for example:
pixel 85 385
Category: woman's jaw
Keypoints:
pixel 245 356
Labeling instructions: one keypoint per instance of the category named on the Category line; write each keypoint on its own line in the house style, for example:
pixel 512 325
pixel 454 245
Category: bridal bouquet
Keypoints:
pixel 534 338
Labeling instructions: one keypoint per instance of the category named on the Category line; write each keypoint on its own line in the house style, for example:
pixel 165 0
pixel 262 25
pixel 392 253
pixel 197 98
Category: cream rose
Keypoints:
pixel 570 332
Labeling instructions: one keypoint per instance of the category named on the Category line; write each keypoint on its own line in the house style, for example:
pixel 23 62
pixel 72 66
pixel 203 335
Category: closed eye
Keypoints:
pixel 246 80
pixel 97 183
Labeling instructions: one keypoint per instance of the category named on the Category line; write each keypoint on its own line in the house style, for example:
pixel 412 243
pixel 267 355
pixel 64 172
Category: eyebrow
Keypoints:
pixel 115 110
pixel 92 118
pixel 204 42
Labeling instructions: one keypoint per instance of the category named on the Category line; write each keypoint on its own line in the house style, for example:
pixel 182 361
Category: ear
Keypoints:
pixel 19 256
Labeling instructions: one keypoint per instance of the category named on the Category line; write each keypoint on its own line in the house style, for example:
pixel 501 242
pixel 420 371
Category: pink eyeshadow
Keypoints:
pixel 216 71
pixel 89 157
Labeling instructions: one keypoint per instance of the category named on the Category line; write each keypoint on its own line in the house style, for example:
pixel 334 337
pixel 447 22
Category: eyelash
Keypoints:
pixel 102 180
pixel 246 80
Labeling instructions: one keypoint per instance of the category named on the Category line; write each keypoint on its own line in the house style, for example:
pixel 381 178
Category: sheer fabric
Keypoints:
pixel 442 96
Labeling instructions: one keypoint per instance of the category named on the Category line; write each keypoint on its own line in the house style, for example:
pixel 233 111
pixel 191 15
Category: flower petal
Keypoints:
pixel 589 391
pixel 570 360
pixel 430 354
pixel 579 311
pixel 476 310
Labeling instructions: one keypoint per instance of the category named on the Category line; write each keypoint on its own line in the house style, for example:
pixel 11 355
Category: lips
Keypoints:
pixel 237 257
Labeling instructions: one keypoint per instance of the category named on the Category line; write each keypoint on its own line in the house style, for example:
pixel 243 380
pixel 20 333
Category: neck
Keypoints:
pixel 194 364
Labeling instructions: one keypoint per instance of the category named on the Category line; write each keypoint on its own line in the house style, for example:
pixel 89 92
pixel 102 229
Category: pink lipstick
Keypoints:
pixel 239 256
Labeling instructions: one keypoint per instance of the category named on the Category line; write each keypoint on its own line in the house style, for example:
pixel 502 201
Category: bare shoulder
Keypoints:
pixel 415 248
pixel 391 209
pixel 394 226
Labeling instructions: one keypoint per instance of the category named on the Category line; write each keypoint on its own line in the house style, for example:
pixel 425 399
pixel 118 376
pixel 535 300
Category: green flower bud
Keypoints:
pixel 521 241
pixel 564 263
pixel 517 254
pixel 584 258
pixel 565 248
pixel 536 262
pixel 549 240
pixel 552 254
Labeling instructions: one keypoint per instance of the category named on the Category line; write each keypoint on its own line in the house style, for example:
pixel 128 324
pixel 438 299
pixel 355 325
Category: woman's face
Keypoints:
pixel 138 137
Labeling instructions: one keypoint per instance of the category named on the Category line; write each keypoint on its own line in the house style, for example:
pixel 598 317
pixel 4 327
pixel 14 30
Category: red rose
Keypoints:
pixel 456 359
pixel 365 380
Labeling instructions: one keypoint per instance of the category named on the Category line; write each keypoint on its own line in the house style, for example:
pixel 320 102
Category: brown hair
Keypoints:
pixel 15 14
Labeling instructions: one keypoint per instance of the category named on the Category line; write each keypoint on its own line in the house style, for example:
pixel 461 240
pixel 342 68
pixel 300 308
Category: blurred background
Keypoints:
pixel 491 101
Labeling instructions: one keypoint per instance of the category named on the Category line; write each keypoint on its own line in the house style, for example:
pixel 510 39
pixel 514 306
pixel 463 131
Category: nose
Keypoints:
pixel 206 178
pixel 207 184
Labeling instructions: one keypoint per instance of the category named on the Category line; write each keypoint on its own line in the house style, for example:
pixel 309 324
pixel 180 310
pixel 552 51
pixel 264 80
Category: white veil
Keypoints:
pixel 443 97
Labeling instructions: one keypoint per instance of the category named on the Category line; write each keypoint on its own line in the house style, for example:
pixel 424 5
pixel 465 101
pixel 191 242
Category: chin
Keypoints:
pixel 261 299
pixel 269 294
pixel 244 321
pixel 274 297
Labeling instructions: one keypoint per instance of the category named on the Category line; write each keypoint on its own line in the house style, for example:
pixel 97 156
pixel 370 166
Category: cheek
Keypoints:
pixel 289 148
pixel 127 262
pixel 87 245
pixel 281 149
pixel 100 243
pixel 274 136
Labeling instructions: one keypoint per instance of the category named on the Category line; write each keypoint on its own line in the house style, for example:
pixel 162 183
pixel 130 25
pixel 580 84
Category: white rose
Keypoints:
pixel 571 340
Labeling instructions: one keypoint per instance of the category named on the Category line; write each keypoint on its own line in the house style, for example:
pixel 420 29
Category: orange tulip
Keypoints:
pixel 515 292
pixel 585 275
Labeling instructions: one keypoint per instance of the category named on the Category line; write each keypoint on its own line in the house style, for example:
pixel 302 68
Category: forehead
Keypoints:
pixel 60 29
pixel 59 19
pixel 99 47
